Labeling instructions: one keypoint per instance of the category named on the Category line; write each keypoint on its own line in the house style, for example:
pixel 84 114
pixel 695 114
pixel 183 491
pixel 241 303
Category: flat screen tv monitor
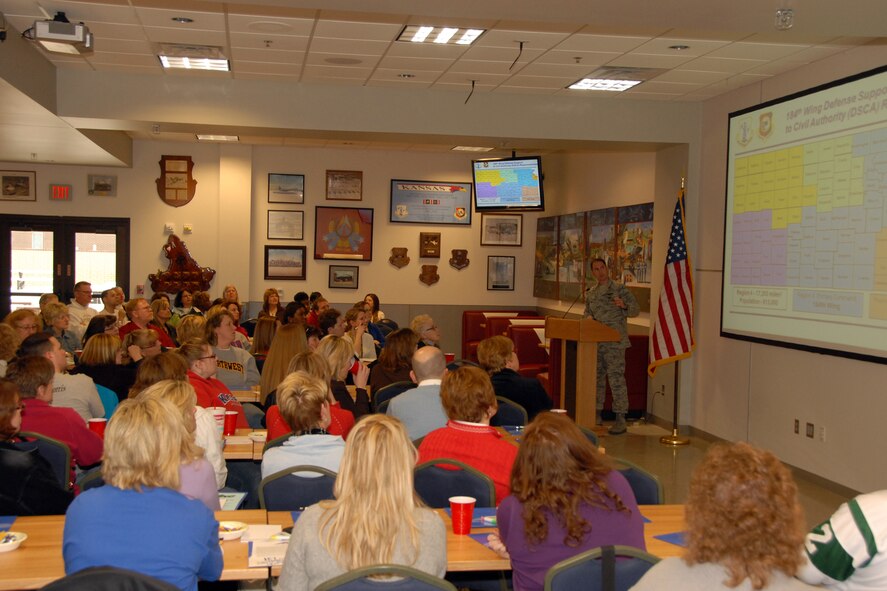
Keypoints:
pixel 805 237
pixel 508 184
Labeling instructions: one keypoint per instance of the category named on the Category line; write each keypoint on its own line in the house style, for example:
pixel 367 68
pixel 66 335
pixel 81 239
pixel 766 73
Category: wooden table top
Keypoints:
pixel 246 395
pixel 39 559
pixel 244 451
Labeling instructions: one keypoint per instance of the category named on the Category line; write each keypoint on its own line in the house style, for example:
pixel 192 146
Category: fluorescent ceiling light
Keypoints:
pixel 188 63
pixel 471 149
pixel 193 57
pixel 603 84
pixel 439 35
pixel 217 138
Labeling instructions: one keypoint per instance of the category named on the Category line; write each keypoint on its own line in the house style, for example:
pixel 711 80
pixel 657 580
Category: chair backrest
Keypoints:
pixel 386 326
pixel 435 484
pixel 408 579
pixel 109 399
pixel 388 392
pixel 645 485
pixel 599 570
pixel 590 435
pixel 286 491
pixel 109 578
pixel 277 441
pixel 509 413
pixel 454 365
pixel 92 480
pixel 56 453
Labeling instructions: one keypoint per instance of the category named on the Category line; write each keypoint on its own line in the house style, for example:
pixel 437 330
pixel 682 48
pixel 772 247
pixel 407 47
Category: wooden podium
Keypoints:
pixel 578 363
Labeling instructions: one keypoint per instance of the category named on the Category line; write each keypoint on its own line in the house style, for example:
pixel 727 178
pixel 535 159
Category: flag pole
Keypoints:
pixel 675 439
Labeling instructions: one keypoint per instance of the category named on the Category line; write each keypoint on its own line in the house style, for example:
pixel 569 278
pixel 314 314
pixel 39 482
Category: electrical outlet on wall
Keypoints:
pixel 797 426
pixel 810 430
pixel 822 434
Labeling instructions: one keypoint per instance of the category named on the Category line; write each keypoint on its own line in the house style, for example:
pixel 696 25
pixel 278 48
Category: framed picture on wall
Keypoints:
pixel 285 225
pixel 18 185
pixel 286 188
pixel 500 273
pixel 344 185
pixel 343 276
pixel 101 185
pixel 501 229
pixel 285 262
pixel 343 233
pixel 429 244
pixel 430 202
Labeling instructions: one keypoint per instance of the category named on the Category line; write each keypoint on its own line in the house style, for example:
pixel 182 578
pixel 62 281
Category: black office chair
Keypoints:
pixel 645 485
pixel 386 326
pixel 436 484
pixel 277 441
pixel 288 490
pixel 408 579
pixel 454 365
pixel 386 393
pixel 109 578
pixel 590 435
pixel 56 453
pixel 92 480
pixel 599 570
pixel 249 326
pixel 509 413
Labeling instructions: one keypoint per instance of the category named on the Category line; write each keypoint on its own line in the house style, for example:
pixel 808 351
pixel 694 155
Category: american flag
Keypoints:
pixel 672 337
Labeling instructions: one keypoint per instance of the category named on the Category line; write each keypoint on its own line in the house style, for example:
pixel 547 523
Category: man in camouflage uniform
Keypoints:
pixel 610 303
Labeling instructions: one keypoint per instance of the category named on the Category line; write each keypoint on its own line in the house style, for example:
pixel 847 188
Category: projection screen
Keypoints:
pixel 805 240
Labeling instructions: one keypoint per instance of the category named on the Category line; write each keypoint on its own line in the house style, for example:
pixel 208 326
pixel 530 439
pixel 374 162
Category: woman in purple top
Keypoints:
pixel 565 499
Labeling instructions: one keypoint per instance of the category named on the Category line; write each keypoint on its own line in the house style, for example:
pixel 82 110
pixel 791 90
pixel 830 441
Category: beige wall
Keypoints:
pixel 751 391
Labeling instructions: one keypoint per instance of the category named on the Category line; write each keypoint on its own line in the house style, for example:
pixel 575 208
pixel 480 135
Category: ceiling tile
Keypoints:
pixel 587 58
pixel 574 71
pixel 582 42
pixel 540 81
pixel 352 46
pixel 760 51
pixel 464 66
pixel 503 54
pixel 261 25
pixel 426 50
pixel 479 78
pixel 124 46
pixel 277 69
pixel 714 64
pixel 419 77
pixel 667 87
pixel 357 30
pixel 189 37
pixel 107 31
pixel 525 89
pixel 641 60
pixel 414 63
pixel 203 21
pixel 510 38
pixel 126 59
pixel 691 76
pixel 327 71
pixel 267 56
pixel 322 59
pixel 696 47
pixel 277 42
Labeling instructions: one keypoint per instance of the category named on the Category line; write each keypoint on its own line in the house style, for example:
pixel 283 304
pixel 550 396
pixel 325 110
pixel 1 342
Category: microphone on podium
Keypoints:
pixel 581 293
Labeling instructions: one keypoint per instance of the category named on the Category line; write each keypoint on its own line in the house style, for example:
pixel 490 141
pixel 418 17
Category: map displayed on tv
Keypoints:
pixel 511 183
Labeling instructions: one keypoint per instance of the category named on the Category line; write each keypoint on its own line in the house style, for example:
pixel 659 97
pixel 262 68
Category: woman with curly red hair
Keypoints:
pixel 745 528
pixel 565 499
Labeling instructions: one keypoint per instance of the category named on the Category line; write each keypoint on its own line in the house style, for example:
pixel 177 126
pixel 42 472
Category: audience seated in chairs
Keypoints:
pixel 375 519
pixel 129 522
pixel 28 486
pixel 357 332
pixel 304 405
pixel 468 399
pixel 339 354
pixel 395 360
pixel 201 374
pixel 428 332
pixel 376 314
pixel 263 336
pixel 191 327
pixel 420 408
pixel 102 360
pixel 236 367
pixel 271 304
pixel 341 420
pixel 745 526
pixel 56 321
pixel 162 316
pixel 34 377
pixel 496 355
pixel 241 336
pixel 565 499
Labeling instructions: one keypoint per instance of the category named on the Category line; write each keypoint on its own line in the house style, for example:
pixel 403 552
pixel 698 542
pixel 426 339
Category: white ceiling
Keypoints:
pixel 729 44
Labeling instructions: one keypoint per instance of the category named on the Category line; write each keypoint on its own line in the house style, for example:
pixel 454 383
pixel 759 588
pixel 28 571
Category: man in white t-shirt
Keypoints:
pixel 79 311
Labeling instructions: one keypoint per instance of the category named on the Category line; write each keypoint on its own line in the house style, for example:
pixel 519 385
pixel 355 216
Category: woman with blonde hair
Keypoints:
pixel 139 520
pixel 56 322
pixel 23 321
pixel 376 517
pixel 191 327
pixel 197 474
pixel 340 355
pixel 289 340
pixel 565 499
pixel 745 527
pixel 141 343
pixel 271 304
pixel 102 360
pixel 341 420
pixel 162 316
pixel 9 342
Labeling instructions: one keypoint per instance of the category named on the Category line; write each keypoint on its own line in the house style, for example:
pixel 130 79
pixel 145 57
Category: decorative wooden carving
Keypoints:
pixel 399 257
pixel 459 259
pixel 183 271
pixel 176 185
pixel 429 275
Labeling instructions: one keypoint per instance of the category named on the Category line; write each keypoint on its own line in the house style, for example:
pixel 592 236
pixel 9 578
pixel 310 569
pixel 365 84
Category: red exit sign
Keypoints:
pixel 60 192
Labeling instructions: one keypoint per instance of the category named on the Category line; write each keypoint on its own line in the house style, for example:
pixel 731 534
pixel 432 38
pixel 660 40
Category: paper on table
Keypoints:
pixel 481 539
pixel 6 522
pixel 259 533
pixel 230 501
pixel 479 514
pixel 676 538
pixel 263 554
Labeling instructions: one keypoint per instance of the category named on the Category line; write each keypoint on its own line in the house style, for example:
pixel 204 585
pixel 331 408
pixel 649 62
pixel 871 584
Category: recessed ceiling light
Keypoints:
pixel 406 76
pixel 217 138
pixel 439 35
pixel 470 149
pixel 183 20
pixel 603 84
pixel 679 47
pixel 193 57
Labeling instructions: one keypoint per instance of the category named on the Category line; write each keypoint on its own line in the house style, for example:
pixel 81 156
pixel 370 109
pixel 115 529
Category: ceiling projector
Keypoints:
pixel 61 36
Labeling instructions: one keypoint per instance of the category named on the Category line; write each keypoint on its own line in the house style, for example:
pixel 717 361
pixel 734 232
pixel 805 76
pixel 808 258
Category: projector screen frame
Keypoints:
pixel 823 348
pixel 509 208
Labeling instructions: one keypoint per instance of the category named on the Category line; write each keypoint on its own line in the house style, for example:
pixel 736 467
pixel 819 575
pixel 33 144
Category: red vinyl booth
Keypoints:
pixel 532 355
pixel 475 328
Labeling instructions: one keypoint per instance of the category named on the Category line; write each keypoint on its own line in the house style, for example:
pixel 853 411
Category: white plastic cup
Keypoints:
pixel 218 413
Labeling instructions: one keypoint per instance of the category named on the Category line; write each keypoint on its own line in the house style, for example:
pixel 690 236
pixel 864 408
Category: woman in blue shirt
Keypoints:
pixel 138 521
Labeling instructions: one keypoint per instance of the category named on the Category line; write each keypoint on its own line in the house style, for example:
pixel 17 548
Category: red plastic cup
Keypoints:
pixel 97 426
pixel 230 422
pixel 462 512
pixel 451 357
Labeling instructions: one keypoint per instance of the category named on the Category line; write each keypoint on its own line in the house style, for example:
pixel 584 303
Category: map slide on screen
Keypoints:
pixel 506 182
pixel 805 254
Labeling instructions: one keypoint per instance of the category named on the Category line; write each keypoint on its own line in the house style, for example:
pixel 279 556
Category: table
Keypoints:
pixel 465 554
pixel 246 395
pixel 38 561
pixel 244 451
